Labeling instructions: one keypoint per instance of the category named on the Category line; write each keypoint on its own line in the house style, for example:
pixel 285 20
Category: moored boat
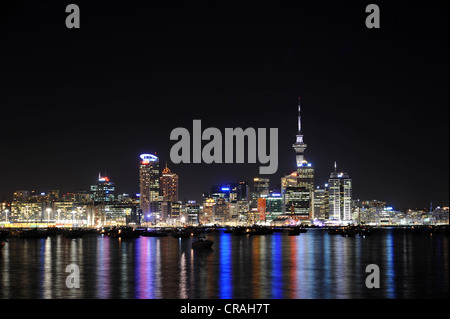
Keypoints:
pixel 202 242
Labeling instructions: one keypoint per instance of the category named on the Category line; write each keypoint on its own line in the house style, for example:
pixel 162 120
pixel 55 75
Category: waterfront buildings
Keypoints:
pixel 231 203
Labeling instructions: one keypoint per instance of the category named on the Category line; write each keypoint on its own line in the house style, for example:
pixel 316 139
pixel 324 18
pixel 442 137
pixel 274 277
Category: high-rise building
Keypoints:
pixel 261 186
pixel 299 196
pixel 221 211
pixel 340 196
pixel 192 212
pixel 274 206
pixel 321 205
pixel 103 191
pixel 169 185
pixel 221 191
pixel 242 191
pixel 149 187
pixel 206 215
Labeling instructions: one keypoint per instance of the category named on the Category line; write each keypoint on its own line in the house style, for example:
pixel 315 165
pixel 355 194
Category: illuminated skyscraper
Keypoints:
pixel 261 186
pixel 242 191
pixel 149 186
pixel 103 191
pixel 321 205
pixel 340 196
pixel 299 197
pixel 169 185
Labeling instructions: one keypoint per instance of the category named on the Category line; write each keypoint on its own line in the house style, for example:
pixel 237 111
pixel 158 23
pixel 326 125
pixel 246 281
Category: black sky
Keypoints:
pixel 78 102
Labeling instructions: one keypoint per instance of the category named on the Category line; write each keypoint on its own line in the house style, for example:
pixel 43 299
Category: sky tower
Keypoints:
pixel 299 186
pixel 299 146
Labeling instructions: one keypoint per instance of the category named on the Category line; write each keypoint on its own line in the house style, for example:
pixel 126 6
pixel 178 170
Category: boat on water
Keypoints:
pixel 202 242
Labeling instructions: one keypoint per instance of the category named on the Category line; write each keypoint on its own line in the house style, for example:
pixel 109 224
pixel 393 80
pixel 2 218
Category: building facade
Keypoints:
pixel 149 177
pixel 340 196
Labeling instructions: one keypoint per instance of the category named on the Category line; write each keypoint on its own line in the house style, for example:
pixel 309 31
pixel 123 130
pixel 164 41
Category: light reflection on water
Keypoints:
pixel 312 265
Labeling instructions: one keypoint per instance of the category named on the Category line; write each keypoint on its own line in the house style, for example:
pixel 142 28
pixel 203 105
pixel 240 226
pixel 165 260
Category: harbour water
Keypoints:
pixel 313 265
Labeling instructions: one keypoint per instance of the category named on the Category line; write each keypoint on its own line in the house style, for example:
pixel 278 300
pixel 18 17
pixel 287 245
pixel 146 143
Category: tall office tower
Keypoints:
pixel 299 198
pixel 321 205
pixel 340 196
pixel 149 186
pixel 274 206
pixel 192 212
pixel 242 191
pixel 103 191
pixel 261 186
pixel 221 211
pixel 206 215
pixel 169 185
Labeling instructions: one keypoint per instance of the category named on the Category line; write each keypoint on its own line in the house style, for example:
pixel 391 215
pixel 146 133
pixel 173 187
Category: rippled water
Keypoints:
pixel 312 265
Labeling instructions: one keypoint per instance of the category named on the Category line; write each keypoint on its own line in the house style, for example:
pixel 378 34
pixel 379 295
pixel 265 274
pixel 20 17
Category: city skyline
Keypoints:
pixel 232 158
pixel 275 185
pixel 120 96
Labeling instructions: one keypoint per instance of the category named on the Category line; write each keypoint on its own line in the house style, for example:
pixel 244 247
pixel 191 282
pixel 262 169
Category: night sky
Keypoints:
pixel 76 102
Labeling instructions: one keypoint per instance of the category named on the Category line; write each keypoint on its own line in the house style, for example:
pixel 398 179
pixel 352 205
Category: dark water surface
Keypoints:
pixel 312 265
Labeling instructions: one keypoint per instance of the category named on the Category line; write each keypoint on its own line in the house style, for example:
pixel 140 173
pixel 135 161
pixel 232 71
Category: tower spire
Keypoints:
pixel 335 166
pixel 299 117
pixel 299 146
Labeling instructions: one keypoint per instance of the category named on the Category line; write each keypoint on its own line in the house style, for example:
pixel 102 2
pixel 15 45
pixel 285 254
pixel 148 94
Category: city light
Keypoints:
pixel 147 158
